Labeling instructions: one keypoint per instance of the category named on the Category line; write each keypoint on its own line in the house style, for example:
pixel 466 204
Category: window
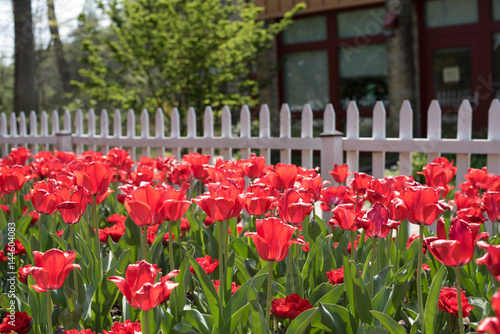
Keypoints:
pixel 360 22
pixel 335 57
pixel 363 75
pixel 306 30
pixel 496 64
pixel 443 13
pixel 496 10
pixel 306 79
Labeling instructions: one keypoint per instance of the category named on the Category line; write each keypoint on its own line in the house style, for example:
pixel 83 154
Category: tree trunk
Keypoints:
pixel 24 57
pixel 62 65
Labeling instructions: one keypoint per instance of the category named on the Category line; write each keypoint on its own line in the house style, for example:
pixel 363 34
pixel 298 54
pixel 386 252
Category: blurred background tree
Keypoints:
pixel 176 53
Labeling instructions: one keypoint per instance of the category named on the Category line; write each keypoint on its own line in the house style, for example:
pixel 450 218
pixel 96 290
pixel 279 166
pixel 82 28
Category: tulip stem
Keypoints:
pixel 144 243
pixel 269 291
pixel 398 241
pixel 459 301
pixel 493 228
pixel 170 246
pixel 99 266
pixel 72 243
pixel 374 257
pixel 221 268
pixel 353 255
pixel 419 278
pixel 11 208
pixel 49 312
pixel 226 243
pixel 144 322
pixel 40 225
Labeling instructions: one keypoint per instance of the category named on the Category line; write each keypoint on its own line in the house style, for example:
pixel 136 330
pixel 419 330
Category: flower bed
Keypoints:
pixel 98 243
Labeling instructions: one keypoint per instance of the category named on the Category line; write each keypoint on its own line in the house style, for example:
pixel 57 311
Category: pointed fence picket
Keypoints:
pixel 331 145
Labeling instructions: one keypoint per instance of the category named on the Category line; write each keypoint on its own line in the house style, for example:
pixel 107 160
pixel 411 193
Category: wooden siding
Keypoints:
pixel 276 8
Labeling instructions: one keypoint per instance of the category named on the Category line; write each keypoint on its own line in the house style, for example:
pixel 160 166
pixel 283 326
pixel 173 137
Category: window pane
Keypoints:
pixel 305 30
pixel 496 10
pixel 360 22
pixel 306 79
pixel 496 64
pixel 452 75
pixel 363 74
pixel 442 13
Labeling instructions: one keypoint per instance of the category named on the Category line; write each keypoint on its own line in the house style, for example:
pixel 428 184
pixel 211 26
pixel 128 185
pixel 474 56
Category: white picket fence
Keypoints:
pixel 331 144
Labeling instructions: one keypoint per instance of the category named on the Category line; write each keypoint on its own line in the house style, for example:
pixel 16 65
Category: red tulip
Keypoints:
pixel 491 259
pixel 143 174
pixel 439 173
pixel 116 218
pixel 12 178
pixel 491 205
pixel 448 302
pixel 224 200
pixel 180 173
pixel 477 178
pixel 333 196
pixel 23 274
pixel 198 164
pixel 286 176
pixel 272 238
pixel 119 159
pixel 492 325
pixel 44 196
pixel 412 238
pixel 3 258
pixel 16 249
pixel 17 156
pixel 253 167
pixel 51 269
pixel 259 199
pixel 465 200
pixel 145 205
pixel 73 205
pixel 289 307
pixel 207 264
pixel 345 217
pixel 471 215
pixel 234 287
pixel 176 204
pixel 378 224
pixel 139 286
pixel 126 327
pixel 422 204
pixel 336 276
pixel 96 177
pixel 359 183
pixel 311 187
pixel 19 323
pixel 381 191
pixel 340 173
pixel 291 209
pixel 458 250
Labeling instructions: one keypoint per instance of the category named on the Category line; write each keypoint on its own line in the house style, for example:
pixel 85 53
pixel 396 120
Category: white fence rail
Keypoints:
pixel 331 144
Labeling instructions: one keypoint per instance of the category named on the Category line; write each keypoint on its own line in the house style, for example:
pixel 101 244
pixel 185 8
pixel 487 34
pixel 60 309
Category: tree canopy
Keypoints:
pixel 177 53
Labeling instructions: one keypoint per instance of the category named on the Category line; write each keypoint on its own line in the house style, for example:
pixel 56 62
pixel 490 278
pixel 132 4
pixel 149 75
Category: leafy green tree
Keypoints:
pixel 177 53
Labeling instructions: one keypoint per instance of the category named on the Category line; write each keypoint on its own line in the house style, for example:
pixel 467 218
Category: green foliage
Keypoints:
pixel 177 53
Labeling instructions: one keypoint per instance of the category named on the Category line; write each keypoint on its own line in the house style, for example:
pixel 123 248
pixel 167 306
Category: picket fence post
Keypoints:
pixel 331 145
pixel 494 135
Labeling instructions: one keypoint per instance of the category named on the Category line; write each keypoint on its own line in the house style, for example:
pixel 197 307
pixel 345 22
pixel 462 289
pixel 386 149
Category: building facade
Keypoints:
pixel 338 51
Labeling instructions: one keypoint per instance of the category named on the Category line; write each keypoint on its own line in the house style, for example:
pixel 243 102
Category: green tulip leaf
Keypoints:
pixel 209 290
pixel 302 322
pixel 336 319
pixel 389 323
pixel 431 305
pixel 257 318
